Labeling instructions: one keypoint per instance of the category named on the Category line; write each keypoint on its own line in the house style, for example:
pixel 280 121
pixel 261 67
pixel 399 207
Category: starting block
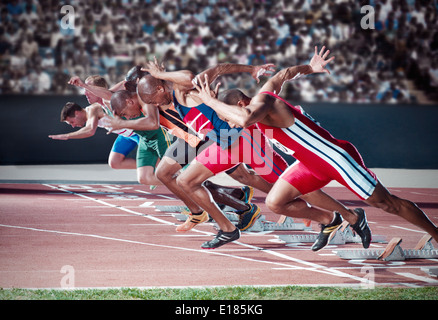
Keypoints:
pixel 284 223
pixel 171 208
pixel 183 217
pixel 393 251
pixel 177 212
pixel 433 272
pixel 343 235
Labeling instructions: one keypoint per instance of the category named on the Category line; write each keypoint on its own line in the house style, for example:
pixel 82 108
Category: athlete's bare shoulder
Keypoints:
pixel 279 113
pixel 95 109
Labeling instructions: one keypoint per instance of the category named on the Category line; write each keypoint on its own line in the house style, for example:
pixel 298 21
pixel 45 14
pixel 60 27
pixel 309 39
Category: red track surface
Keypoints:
pixel 112 236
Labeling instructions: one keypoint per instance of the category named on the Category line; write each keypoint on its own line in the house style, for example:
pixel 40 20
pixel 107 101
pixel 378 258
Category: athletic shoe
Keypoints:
pixel 192 221
pixel 361 227
pixel 248 193
pixel 327 233
pixel 221 239
pixel 248 218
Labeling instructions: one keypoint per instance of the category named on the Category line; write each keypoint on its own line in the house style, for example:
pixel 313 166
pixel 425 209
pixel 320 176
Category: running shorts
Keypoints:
pixel 150 150
pixel 125 145
pixel 251 148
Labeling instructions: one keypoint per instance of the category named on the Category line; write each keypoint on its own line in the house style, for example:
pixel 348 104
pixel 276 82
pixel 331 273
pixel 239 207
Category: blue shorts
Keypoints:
pixel 125 145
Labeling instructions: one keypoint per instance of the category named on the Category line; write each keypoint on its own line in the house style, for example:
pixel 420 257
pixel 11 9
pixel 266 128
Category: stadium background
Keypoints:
pixel 381 95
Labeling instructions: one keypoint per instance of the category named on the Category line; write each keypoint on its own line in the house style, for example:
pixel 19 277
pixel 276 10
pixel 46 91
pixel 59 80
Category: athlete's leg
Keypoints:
pixel 191 180
pixel 322 200
pixel 122 146
pixel 316 198
pixel 167 171
pixel 147 159
pixel 180 154
pixel 120 161
pixel 366 185
pixel 146 176
pixel 229 196
pixel 284 199
pixel 383 199
pixel 249 177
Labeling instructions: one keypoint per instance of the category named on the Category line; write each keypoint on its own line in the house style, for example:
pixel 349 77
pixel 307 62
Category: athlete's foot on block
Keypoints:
pixel 248 193
pixel 327 233
pixel 249 217
pixel 361 227
pixel 221 239
pixel 192 221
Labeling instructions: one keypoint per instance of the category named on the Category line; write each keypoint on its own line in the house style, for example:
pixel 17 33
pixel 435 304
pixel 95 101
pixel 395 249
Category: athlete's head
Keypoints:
pixel 97 81
pixel 125 104
pixel 234 97
pixel 74 115
pixel 132 78
pixel 154 91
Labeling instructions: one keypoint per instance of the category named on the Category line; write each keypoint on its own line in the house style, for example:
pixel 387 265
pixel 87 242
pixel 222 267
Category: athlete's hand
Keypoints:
pixel 204 91
pixel 153 67
pixel 59 137
pixel 319 61
pixel 76 81
pixel 262 70
pixel 112 123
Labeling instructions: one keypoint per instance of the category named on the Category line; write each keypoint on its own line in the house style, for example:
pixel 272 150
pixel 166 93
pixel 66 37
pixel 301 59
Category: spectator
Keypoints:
pixel 29 46
pixel 60 79
pixel 14 8
pixel 113 35
pixel 41 81
pixel 257 57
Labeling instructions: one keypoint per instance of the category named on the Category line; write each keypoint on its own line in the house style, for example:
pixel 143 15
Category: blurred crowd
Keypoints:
pixel 390 62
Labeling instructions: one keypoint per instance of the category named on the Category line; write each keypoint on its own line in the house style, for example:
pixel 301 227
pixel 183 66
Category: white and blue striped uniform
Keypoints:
pixel 321 157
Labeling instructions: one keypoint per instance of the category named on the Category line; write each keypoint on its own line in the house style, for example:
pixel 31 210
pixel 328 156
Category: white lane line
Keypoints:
pixel 416 277
pixel 147 244
pixel 407 229
pixel 158 195
pixel 313 266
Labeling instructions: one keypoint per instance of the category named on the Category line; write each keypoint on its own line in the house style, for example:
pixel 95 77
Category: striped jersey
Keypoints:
pixel 171 120
pixel 206 123
pixel 320 152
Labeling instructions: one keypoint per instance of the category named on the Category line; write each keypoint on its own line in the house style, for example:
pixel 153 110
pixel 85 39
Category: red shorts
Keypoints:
pixel 251 148
pixel 305 180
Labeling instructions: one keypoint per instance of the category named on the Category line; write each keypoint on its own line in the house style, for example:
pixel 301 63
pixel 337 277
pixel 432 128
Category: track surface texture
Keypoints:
pixel 108 235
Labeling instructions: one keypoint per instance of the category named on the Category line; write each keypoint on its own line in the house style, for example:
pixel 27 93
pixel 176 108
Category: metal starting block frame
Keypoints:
pixel 183 217
pixel 170 208
pixel 176 212
pixel 393 251
pixel 433 272
pixel 343 235
pixel 284 223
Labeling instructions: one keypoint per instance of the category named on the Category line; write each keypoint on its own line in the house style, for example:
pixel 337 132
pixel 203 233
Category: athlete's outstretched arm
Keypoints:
pixel 229 68
pixel 317 64
pixel 182 78
pixel 100 92
pixel 236 115
pixel 87 131
pixel 261 104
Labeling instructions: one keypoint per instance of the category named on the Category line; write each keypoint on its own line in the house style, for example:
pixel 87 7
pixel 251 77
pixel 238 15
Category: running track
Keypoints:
pixel 102 235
